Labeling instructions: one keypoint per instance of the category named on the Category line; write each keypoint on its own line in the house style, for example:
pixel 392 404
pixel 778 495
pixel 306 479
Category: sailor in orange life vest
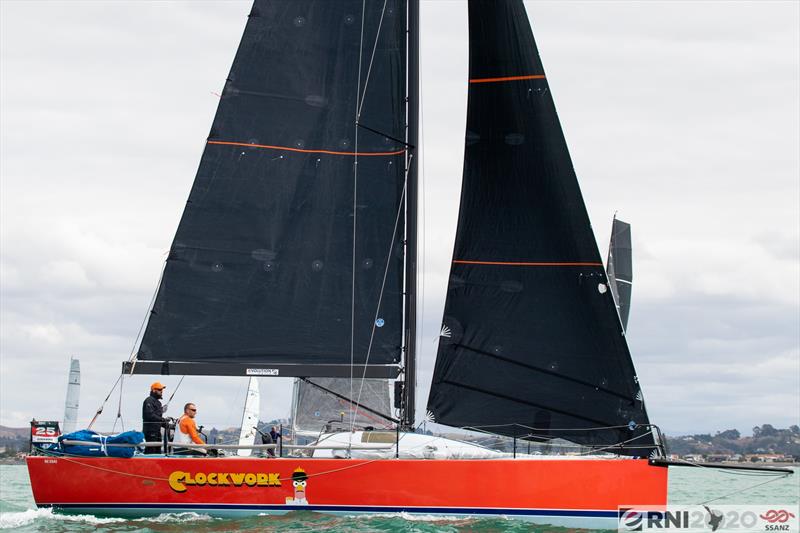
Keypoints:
pixel 186 432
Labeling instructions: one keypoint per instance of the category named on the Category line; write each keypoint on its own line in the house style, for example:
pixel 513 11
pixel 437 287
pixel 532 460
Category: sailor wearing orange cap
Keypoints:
pixel 153 417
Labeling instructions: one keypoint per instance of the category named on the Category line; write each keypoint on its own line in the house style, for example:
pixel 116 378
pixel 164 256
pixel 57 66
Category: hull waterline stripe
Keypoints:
pixel 342 508
pixel 512 263
pixel 304 151
pixel 508 78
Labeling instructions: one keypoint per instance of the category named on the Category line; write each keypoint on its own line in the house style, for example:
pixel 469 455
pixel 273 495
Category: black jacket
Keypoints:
pixel 152 416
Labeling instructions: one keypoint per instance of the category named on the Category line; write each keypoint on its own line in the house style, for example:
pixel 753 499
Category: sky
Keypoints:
pixel 683 117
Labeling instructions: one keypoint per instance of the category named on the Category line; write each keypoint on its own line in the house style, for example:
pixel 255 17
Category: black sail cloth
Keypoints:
pixel 620 268
pixel 260 270
pixel 531 337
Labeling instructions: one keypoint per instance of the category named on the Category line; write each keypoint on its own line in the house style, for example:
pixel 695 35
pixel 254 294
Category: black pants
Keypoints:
pixel 266 438
pixel 153 437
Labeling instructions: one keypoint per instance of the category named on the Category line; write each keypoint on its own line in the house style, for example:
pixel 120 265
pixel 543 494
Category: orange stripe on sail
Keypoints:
pixel 507 78
pixel 512 263
pixel 304 151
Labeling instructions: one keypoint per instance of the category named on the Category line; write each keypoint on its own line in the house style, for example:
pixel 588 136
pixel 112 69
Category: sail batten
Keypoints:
pixel 530 336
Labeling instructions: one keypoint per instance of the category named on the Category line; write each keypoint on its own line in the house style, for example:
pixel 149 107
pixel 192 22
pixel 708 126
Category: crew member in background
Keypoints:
pixel 275 434
pixel 186 432
pixel 153 417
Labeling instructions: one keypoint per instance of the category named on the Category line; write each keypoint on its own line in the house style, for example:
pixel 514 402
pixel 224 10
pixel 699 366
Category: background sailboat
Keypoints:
pixel 620 268
pixel 252 408
pixel 73 396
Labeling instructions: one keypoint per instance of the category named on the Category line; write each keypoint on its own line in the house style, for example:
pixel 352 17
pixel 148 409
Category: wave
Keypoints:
pixel 29 516
pixel 171 518
pixel 414 517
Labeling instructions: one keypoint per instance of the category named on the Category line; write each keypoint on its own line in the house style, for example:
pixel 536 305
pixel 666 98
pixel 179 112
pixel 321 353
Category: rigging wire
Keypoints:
pixel 171 396
pixel 422 215
pixel 102 405
pixel 149 310
pixel 119 406
pixel 745 489
pixel 371 59
pixel 355 213
pixel 380 296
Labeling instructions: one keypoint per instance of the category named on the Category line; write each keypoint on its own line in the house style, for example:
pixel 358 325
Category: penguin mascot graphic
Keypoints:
pixel 299 480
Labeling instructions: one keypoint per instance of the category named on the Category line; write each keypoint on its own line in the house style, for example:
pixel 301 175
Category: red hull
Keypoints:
pixel 557 491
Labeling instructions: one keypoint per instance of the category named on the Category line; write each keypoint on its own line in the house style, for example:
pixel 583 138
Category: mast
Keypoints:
pixel 412 136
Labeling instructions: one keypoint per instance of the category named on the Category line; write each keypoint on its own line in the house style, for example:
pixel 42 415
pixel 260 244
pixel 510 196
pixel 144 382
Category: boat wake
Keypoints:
pixel 413 517
pixel 172 518
pixel 14 520
pixel 28 517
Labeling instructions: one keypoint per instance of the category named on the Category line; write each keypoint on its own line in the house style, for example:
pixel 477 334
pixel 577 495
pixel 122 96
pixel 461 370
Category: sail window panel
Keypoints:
pixel 261 268
pixel 314 408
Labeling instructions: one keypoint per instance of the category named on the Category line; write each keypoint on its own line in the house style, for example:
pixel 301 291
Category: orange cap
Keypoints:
pixel 157 386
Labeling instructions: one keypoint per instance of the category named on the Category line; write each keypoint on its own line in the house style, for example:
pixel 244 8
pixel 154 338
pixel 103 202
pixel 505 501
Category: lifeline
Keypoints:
pixel 178 480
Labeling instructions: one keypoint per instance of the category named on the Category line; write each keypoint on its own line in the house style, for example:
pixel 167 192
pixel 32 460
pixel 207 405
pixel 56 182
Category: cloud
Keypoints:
pixel 684 117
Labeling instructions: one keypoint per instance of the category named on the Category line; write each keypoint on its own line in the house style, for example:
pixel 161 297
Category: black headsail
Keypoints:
pixel 620 268
pixel 531 343
pixel 261 275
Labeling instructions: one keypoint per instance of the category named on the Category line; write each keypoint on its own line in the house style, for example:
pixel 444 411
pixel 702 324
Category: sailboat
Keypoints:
pixel 619 266
pixel 296 256
pixel 249 426
pixel 73 396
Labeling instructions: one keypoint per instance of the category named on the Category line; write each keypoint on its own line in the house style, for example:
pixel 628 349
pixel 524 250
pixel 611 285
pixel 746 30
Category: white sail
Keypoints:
pixel 73 396
pixel 248 432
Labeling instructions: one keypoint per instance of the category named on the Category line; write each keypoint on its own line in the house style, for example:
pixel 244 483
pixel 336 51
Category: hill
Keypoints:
pixel 766 439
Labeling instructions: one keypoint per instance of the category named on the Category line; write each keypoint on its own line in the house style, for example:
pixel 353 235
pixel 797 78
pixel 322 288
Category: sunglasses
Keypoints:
pixel 191 409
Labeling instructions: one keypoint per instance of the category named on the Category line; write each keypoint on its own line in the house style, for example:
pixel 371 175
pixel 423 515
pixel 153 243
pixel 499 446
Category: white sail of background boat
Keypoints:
pixel 73 396
pixel 250 413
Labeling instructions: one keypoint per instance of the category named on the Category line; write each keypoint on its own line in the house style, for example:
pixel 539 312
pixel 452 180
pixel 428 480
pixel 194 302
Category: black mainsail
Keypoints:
pixel 268 273
pixel 531 345
pixel 620 268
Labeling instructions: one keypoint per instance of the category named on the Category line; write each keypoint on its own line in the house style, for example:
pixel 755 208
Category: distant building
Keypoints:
pixel 769 458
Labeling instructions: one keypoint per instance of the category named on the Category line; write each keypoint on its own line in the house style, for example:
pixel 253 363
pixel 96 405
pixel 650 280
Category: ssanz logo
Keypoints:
pixel 777 515
pixel 179 481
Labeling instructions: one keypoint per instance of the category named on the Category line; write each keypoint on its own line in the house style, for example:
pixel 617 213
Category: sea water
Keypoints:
pixel 687 485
